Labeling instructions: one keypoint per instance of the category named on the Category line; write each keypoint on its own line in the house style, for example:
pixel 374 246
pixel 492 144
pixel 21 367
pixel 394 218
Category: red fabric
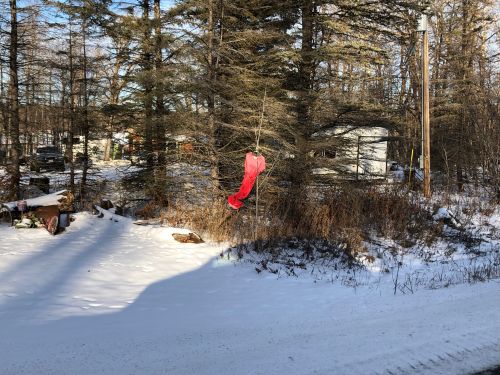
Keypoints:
pixel 254 165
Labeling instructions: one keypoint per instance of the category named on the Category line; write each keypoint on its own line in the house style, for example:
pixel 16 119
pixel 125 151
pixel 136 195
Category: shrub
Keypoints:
pixel 345 215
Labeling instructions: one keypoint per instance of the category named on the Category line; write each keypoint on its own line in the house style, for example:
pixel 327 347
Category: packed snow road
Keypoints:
pixel 109 297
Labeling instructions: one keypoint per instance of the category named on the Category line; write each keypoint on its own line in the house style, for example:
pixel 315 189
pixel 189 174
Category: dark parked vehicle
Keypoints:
pixel 49 158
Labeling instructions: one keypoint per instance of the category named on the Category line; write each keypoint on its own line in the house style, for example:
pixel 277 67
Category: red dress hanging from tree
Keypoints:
pixel 254 165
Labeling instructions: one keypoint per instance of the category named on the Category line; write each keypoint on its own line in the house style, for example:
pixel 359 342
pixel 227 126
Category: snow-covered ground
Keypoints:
pixel 109 297
pixel 111 171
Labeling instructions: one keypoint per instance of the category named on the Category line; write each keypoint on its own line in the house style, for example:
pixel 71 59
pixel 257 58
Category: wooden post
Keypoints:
pixel 426 133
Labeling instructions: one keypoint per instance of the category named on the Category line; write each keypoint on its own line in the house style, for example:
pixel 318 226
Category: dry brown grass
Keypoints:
pixel 349 214
pixel 344 215
pixel 216 219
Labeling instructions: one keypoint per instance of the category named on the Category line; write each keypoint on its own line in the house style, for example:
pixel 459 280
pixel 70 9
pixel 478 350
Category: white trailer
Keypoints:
pixel 361 154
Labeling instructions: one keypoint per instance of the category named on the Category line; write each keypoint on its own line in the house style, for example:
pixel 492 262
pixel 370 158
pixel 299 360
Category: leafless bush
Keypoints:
pixel 345 216
pixel 349 215
pixel 465 272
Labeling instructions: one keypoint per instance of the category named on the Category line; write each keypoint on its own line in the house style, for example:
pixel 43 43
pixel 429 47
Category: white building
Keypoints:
pixel 361 154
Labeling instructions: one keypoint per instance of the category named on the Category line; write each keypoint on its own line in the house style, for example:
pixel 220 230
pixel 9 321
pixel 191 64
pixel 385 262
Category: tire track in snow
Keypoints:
pixel 455 361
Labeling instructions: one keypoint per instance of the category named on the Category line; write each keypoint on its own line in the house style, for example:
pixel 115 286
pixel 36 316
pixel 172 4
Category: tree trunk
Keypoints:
pixel 14 103
pixel 148 86
pixel 305 99
pixel 107 146
pixel 306 67
pixel 211 71
pixel 160 105
pixel 71 128
pixel 86 125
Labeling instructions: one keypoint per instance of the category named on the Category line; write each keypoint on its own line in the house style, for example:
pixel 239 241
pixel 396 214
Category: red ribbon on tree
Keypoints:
pixel 254 165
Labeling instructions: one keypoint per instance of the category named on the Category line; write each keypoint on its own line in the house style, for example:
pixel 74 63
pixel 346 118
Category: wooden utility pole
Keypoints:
pixel 426 133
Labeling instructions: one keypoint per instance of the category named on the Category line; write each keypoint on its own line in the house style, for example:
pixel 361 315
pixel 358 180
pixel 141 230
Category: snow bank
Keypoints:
pixel 115 298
